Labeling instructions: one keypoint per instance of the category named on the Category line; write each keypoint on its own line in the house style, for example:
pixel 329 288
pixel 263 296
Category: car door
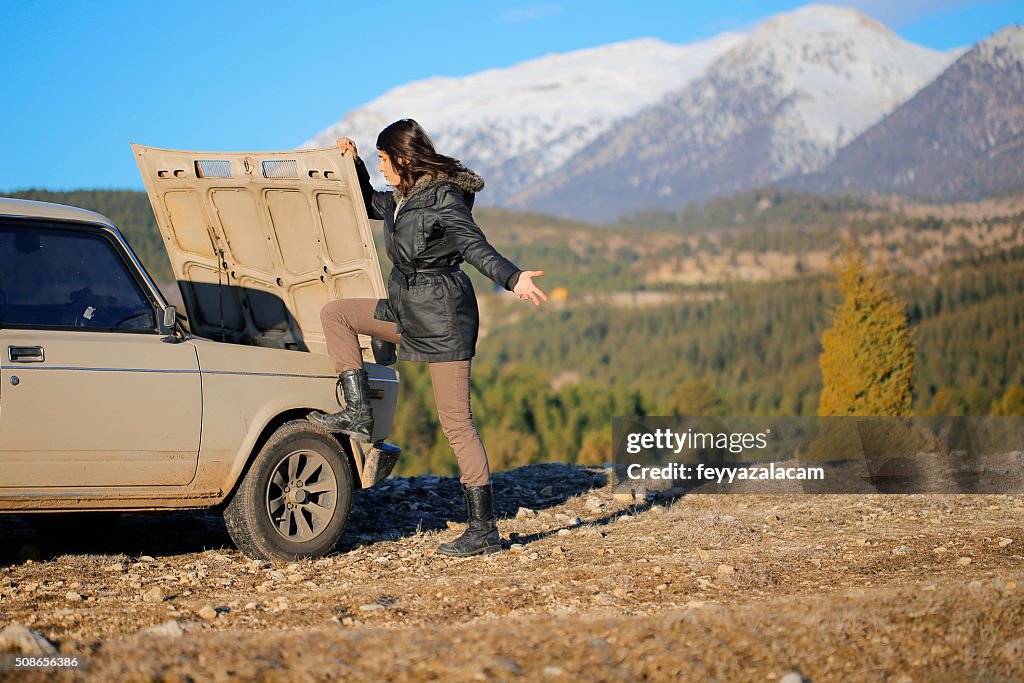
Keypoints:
pixel 91 394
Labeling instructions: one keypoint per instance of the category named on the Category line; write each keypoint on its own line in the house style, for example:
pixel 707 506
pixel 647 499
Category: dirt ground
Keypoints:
pixel 701 587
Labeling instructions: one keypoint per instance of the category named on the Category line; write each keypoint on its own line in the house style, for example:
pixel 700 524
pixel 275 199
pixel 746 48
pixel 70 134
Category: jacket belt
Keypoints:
pixel 410 273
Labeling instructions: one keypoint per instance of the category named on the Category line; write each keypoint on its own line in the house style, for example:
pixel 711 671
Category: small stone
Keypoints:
pixel 293 567
pixel 348 621
pixel 525 513
pixel 116 567
pixel 168 629
pixel 552 671
pixel 964 561
pixel 516 546
pixel 1003 542
pixel 146 558
pixel 22 639
pixel 371 607
pixel 154 594
pixel 793 677
pixel 208 613
pixel 72 596
pixel 901 550
pixel 703 555
pixel 382 559
pixel 726 569
pixel 564 532
pixel 575 521
pixel 296 578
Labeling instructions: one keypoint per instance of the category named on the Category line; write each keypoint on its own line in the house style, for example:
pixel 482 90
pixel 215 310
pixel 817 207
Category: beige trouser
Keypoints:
pixel 345 318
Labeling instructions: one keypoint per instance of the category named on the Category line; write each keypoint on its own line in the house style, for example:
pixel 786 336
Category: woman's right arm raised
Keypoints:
pixel 375 200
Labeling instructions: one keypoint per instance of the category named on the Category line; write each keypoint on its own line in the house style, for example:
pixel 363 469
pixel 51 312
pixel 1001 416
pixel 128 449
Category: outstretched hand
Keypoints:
pixel 526 290
pixel 346 145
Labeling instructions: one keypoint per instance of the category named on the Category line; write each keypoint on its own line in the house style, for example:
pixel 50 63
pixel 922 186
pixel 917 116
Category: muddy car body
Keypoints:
pixel 110 402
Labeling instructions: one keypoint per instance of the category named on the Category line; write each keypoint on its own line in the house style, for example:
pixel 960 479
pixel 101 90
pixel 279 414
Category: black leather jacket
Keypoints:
pixel 429 296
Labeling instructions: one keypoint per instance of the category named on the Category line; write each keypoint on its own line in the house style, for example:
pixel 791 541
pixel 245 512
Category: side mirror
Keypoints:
pixel 170 317
pixel 169 323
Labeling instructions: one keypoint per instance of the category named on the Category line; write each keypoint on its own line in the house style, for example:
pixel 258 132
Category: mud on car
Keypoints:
pixel 111 400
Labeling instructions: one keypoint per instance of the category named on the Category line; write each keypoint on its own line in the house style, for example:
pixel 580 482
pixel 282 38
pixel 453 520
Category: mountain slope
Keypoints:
pixel 961 137
pixel 518 124
pixel 802 85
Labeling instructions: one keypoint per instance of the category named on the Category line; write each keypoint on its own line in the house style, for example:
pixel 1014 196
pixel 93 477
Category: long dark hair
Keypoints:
pixel 412 153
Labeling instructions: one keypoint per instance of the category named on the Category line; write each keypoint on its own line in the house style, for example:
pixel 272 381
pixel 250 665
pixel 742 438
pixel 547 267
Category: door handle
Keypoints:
pixel 26 354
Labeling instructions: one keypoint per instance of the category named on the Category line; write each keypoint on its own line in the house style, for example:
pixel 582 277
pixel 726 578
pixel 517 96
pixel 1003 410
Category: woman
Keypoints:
pixel 431 308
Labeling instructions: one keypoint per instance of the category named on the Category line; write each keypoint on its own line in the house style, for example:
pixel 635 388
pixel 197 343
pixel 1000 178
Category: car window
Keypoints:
pixel 67 279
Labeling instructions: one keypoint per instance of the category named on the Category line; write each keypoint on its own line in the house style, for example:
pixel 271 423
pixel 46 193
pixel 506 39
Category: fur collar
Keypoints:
pixel 466 179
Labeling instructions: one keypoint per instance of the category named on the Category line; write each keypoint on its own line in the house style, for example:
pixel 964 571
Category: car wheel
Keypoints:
pixel 296 497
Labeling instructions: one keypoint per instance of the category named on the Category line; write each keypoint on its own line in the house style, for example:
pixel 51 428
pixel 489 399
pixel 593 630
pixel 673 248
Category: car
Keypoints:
pixel 113 401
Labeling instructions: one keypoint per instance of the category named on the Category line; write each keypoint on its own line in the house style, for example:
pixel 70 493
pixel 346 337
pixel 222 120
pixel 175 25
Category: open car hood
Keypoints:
pixel 260 241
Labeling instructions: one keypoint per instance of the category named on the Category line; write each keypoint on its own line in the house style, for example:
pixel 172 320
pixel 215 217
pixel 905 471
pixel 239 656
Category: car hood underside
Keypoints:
pixel 260 241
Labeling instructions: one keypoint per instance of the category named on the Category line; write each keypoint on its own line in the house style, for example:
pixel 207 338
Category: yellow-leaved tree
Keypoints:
pixel 867 358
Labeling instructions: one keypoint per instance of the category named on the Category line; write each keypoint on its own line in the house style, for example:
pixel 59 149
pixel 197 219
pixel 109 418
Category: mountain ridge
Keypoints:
pixel 959 138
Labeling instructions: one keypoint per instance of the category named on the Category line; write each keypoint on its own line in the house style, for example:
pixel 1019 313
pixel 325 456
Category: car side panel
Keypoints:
pixel 245 388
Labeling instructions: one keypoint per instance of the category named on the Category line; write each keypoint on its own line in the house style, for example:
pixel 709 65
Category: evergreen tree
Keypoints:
pixel 867 359
pixel 696 397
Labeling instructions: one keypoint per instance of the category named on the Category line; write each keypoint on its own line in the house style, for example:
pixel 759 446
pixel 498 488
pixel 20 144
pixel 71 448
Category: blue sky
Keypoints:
pixel 83 79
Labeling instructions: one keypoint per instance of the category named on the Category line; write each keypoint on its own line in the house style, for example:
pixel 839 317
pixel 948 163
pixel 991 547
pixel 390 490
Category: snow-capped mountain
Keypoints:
pixel 517 125
pixel 961 137
pixel 782 101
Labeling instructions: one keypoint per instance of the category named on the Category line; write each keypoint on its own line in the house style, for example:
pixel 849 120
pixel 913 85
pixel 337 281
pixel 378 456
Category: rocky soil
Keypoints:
pixel 699 587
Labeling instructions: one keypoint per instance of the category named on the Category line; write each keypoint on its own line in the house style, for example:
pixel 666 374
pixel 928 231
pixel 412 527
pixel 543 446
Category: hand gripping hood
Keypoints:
pixel 260 241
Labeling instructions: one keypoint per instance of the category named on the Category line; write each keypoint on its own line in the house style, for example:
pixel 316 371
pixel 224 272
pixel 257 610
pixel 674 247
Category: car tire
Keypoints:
pixel 294 501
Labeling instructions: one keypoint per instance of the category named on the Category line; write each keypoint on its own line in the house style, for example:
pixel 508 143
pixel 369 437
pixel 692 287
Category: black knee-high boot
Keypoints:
pixel 356 419
pixel 482 534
